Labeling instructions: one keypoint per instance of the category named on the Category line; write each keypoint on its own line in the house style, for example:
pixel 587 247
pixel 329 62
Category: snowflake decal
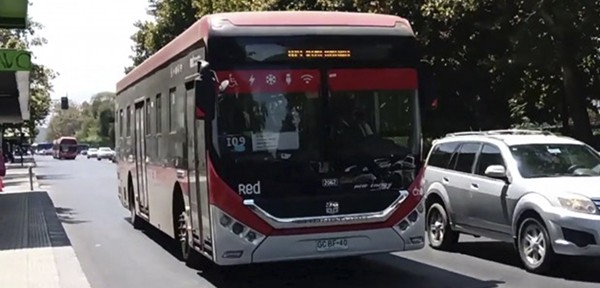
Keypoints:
pixel 271 79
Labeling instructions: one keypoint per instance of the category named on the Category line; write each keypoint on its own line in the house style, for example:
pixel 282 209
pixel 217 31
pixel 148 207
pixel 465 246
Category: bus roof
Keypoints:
pixel 199 31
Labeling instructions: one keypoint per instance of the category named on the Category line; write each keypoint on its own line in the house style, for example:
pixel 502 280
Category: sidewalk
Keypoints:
pixel 34 248
pixel 17 178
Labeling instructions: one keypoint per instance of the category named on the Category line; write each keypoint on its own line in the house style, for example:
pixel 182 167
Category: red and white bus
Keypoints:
pixel 65 148
pixel 269 136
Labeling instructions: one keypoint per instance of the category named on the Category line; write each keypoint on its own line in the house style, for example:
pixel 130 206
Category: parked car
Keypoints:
pixel 530 188
pixel 92 153
pixel 105 153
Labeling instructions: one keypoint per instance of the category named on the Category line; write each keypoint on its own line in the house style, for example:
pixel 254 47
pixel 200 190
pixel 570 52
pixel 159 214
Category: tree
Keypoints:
pixel 171 17
pixel 496 63
pixel 64 122
pixel 97 120
pixel 40 76
pixel 90 122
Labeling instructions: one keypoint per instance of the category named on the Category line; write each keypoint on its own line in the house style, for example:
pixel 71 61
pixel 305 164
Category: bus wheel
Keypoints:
pixel 135 220
pixel 183 236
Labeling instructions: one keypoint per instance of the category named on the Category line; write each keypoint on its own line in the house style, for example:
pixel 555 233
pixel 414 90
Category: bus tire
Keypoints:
pixel 135 220
pixel 180 220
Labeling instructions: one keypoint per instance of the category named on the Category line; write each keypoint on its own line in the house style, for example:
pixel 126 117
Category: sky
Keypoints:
pixel 88 42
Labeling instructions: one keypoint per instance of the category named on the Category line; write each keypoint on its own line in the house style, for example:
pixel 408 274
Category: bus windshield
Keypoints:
pixel 361 133
pixel 68 142
pixel 67 145
pixel 373 112
pixel 269 118
pixel 311 119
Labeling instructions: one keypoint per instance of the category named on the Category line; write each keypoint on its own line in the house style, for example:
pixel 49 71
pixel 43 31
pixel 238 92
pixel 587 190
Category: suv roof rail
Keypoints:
pixel 522 132
pixel 501 132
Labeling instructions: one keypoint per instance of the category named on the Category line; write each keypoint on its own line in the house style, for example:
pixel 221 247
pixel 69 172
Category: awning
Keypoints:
pixel 13 14
pixel 15 67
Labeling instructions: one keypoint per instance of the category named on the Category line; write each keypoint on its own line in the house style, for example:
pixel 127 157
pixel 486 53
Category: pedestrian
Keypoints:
pixel 2 169
pixel 2 165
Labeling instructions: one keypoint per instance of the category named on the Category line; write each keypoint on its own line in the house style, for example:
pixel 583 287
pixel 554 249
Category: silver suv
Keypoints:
pixel 531 188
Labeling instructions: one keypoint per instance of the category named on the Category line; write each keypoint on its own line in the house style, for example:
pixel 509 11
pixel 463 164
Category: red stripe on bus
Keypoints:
pixel 224 197
pixel 372 79
pixel 271 81
pixel 199 113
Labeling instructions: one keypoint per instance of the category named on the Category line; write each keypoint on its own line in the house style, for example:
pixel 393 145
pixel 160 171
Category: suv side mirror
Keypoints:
pixel 205 89
pixel 496 171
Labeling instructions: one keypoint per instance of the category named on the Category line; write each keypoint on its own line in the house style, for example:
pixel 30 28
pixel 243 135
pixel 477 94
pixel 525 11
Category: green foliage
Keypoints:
pixel 171 17
pixel 91 122
pixel 496 63
pixel 64 122
pixel 40 77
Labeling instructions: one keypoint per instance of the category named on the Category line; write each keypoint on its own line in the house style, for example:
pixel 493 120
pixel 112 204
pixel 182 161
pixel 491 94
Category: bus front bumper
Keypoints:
pixel 317 246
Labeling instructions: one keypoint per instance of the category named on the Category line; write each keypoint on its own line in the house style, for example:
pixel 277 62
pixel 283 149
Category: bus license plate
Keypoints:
pixel 335 244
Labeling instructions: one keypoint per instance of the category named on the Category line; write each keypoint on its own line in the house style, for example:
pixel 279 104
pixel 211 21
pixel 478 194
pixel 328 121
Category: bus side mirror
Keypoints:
pixel 205 89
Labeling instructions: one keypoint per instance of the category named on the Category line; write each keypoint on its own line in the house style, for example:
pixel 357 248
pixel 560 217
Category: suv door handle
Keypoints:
pixel 474 186
pixel 445 179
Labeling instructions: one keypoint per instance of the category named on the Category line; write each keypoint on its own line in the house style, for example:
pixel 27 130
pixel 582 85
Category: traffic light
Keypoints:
pixel 64 103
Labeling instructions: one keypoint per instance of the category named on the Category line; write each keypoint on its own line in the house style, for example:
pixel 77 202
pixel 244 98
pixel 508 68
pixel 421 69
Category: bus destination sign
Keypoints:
pixel 319 53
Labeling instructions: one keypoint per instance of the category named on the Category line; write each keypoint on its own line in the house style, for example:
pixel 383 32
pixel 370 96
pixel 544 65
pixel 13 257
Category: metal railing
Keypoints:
pixel 501 132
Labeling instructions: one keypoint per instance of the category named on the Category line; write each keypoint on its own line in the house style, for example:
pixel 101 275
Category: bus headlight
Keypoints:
pixel 225 220
pixel 412 218
pixel 237 228
pixel 240 230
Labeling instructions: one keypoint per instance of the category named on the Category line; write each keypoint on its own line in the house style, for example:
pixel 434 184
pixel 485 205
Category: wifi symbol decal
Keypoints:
pixel 306 78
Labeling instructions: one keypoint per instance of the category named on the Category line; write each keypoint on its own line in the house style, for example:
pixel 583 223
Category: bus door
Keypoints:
pixel 140 155
pixel 197 171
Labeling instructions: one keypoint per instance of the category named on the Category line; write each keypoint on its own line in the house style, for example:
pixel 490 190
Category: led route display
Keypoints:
pixel 318 53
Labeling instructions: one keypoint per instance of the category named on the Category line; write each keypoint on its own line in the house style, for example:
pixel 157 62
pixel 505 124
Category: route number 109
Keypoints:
pixel 236 141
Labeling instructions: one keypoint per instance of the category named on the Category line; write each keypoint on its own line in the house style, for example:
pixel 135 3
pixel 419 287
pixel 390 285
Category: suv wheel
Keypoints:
pixel 535 248
pixel 439 233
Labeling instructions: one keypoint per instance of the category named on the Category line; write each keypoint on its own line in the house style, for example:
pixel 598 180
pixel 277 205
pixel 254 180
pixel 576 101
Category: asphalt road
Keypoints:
pixel 114 255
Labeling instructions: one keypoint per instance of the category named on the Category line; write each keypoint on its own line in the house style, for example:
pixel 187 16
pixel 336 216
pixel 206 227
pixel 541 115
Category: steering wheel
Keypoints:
pixel 573 167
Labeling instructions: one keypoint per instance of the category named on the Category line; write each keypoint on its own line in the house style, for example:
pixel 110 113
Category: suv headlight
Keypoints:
pixel 578 204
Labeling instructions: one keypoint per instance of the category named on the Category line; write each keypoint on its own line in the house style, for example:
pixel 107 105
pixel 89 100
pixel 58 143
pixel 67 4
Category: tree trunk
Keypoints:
pixel 564 116
pixel 567 50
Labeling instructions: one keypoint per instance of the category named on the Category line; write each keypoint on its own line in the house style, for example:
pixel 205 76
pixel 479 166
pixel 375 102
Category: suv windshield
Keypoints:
pixel 553 160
